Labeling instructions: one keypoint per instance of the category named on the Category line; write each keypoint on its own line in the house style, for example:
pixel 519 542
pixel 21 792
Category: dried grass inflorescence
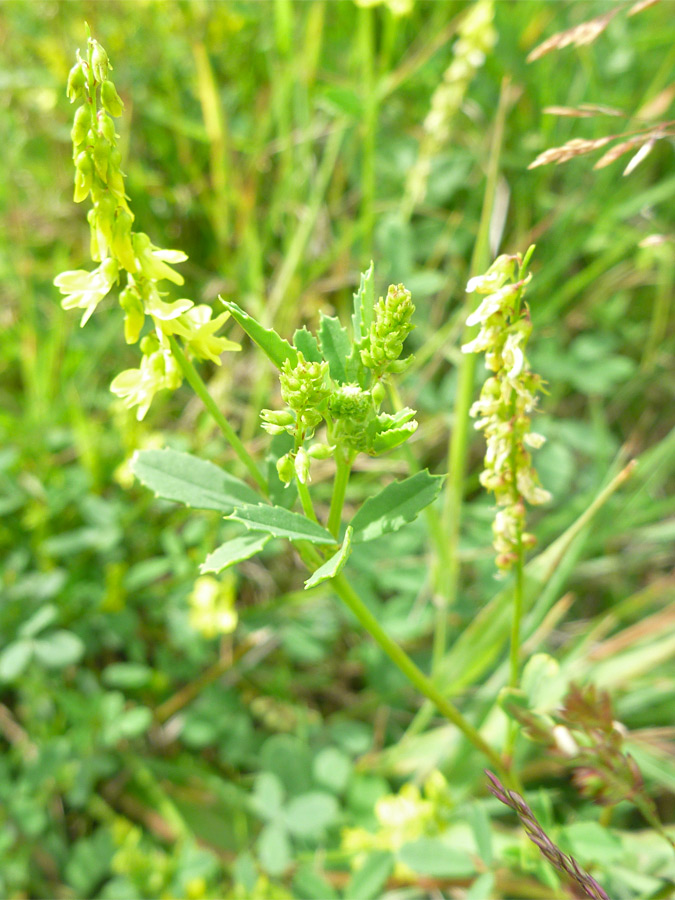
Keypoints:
pixel 564 863
pixel 643 140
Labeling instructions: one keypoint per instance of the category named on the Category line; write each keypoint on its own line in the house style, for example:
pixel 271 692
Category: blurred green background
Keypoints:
pixel 271 141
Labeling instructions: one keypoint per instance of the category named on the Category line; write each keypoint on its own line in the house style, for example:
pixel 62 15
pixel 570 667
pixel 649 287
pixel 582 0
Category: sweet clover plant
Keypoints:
pixel 337 403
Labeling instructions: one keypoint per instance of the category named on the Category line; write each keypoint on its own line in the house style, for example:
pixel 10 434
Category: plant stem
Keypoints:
pixel 414 675
pixel 369 129
pixel 344 467
pixel 194 379
pixel 306 500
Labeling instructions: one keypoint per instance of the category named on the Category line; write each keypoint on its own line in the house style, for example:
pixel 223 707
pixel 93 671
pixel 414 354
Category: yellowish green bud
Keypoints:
pixel 84 174
pixel 81 124
pixel 101 158
pixel 121 240
pixel 111 100
pixel 99 62
pixel 149 344
pixel 134 317
pixel 389 329
pixel 106 127
pixel 378 393
pixel 77 82
pixel 302 466
pixel 286 468
pixel 277 421
pixel 304 387
pixel 320 451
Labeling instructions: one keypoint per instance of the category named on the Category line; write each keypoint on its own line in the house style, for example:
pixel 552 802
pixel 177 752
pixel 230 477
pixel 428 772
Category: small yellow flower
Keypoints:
pixel 212 609
pixel 85 290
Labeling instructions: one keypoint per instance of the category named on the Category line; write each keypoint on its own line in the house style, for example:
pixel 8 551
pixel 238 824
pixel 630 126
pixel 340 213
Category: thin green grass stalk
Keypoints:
pixel 216 130
pixel 414 675
pixel 367 60
pixel 195 381
pixel 459 441
pixel 661 309
pixel 304 230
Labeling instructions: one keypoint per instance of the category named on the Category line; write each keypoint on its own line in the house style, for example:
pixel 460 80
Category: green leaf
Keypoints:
pixel 280 522
pixel 335 346
pixel 367 883
pixel 398 503
pixel 331 769
pixel 59 649
pixel 132 723
pixel 187 479
pixel 268 796
pixel 234 551
pixel 364 305
pixel 307 344
pixel 45 616
pixel 14 659
pixel 308 884
pixel 276 348
pixel 274 849
pixel 288 758
pixel 482 887
pixel 334 565
pixel 431 856
pixel 590 843
pixel 393 437
pixel 308 815
pixel 126 675
pixel 344 100
pixel 479 821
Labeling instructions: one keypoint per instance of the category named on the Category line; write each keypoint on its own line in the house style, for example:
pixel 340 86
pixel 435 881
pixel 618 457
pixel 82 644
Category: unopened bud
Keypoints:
pixel 81 125
pixel 121 241
pixel 286 469
pixel 101 158
pixel 378 393
pixel 302 466
pixel 149 344
pixel 321 451
pixel 99 62
pixel 111 100
pixel 106 127
pixel 134 317
pixel 77 81
pixel 84 174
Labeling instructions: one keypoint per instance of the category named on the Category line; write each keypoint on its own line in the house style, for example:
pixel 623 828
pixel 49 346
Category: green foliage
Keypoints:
pixel 280 146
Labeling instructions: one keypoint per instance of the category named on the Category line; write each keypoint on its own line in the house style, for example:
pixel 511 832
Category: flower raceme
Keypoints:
pixel 119 249
pixel 507 400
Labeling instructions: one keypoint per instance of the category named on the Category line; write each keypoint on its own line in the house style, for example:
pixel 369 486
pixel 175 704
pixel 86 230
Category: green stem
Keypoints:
pixel 414 675
pixel 306 500
pixel 369 129
pixel 194 379
pixel 344 468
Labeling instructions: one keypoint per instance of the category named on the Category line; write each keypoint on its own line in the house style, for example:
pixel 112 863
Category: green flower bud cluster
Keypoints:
pixel 350 410
pixel 305 388
pixel 118 248
pixel 506 402
pixel 390 328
